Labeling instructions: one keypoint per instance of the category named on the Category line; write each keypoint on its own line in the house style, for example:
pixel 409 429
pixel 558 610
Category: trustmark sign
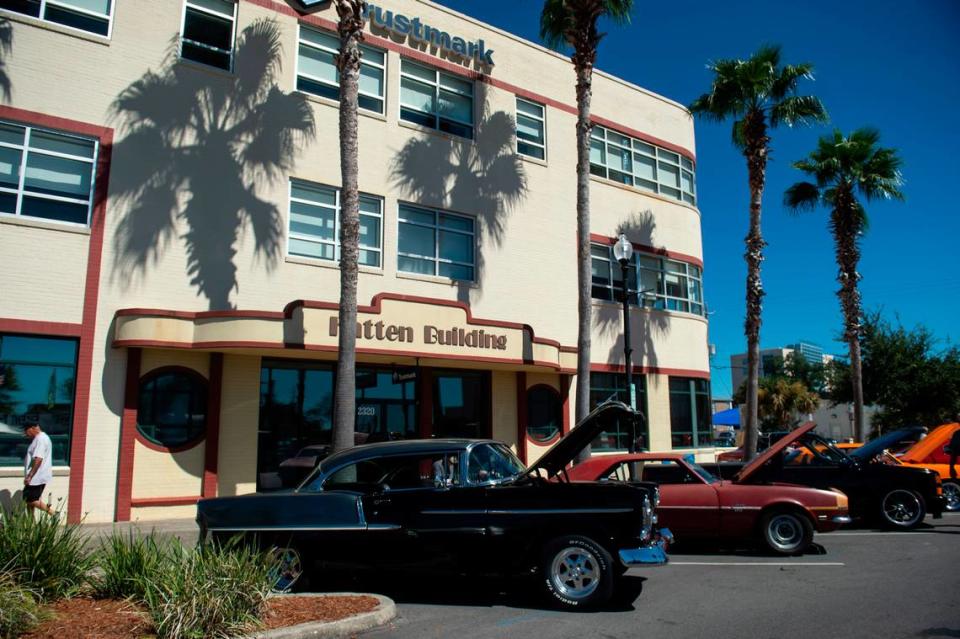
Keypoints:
pixel 417 32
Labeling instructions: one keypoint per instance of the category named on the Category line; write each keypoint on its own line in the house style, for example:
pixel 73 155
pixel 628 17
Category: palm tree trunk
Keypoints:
pixel 755 150
pixel 847 223
pixel 348 63
pixel 583 62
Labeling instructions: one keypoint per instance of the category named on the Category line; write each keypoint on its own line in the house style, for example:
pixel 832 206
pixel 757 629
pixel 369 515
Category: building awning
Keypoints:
pixel 729 417
pixel 393 328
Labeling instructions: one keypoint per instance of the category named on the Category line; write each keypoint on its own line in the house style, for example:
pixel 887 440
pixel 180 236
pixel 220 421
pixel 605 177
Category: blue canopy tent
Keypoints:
pixel 729 417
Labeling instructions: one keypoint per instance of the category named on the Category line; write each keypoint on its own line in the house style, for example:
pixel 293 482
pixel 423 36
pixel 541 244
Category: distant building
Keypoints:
pixel 769 357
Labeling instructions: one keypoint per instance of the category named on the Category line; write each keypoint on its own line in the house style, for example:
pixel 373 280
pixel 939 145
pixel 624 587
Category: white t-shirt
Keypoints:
pixel 41 447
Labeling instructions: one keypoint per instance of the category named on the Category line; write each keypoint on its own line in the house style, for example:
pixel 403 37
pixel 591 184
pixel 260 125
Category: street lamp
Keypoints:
pixel 623 251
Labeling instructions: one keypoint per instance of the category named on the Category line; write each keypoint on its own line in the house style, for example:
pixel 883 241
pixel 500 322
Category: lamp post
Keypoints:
pixel 623 251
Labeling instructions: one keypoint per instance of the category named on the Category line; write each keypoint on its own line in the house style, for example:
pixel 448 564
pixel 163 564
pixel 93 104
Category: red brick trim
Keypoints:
pixel 450 67
pixel 88 325
pixel 596 238
pixel 31 327
pixel 654 370
pixel 128 430
pixel 165 501
pixel 195 315
pixel 211 451
pixel 522 416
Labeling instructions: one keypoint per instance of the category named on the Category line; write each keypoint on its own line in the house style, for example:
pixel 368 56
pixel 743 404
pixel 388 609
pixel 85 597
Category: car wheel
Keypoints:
pixel 785 532
pixel 951 492
pixel 577 572
pixel 901 508
pixel 287 571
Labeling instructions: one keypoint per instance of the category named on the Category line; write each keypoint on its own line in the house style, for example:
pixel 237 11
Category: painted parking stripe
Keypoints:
pixel 755 563
pixel 888 533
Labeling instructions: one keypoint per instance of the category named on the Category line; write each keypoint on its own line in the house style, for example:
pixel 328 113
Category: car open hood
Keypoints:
pixel 773 450
pixel 891 439
pixel 603 417
pixel 921 451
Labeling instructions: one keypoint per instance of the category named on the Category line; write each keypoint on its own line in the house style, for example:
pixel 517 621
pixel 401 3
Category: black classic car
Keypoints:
pixel 460 505
pixel 894 496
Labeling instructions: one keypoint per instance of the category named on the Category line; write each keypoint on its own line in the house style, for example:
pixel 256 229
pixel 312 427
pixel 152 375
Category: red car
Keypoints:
pixel 696 505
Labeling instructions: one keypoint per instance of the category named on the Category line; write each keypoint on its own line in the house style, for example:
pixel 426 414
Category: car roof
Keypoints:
pixel 404 447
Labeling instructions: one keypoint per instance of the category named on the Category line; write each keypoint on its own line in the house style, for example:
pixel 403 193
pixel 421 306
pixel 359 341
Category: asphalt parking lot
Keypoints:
pixel 861 583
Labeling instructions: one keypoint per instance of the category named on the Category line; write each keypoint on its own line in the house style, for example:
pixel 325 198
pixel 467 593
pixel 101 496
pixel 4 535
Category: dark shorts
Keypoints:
pixel 33 493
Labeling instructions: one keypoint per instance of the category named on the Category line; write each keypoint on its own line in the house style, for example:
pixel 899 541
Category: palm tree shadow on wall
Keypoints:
pixel 484 176
pixel 196 147
pixel 647 325
pixel 6 46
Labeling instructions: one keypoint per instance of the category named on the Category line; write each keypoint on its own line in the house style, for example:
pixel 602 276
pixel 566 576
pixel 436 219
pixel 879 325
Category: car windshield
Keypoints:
pixel 492 463
pixel 821 449
pixel 705 474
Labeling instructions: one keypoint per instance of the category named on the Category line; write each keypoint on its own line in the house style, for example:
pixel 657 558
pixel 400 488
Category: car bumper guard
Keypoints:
pixel 653 553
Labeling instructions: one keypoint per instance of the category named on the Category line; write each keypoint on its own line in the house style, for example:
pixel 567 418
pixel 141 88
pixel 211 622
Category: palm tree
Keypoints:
pixel 845 167
pixel 574 23
pixel 350 28
pixel 758 94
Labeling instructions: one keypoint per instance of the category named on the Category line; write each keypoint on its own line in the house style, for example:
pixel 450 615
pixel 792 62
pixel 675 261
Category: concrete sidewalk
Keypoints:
pixel 183 529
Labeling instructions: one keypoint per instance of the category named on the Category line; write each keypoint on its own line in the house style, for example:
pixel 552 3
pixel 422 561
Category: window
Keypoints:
pixel 630 161
pixel 490 463
pixel 207 34
pixel 544 413
pixel 46 175
pixel 664 284
pixel 87 15
pixel 435 99
pixel 315 224
pixel 317 71
pixel 605 386
pixel 436 243
pixel 37 381
pixel 461 404
pixel 173 407
pixel 531 129
pixel 689 412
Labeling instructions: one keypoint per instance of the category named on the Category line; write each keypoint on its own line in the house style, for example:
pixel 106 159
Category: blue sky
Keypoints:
pixel 891 65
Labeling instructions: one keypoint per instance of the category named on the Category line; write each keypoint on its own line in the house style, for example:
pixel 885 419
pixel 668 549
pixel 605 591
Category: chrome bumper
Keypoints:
pixel 653 553
pixel 842 519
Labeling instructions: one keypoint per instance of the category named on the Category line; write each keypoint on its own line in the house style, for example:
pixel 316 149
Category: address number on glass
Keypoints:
pixel 366 411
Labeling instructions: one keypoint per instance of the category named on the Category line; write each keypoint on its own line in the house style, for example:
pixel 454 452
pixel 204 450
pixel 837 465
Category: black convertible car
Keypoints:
pixel 894 496
pixel 460 505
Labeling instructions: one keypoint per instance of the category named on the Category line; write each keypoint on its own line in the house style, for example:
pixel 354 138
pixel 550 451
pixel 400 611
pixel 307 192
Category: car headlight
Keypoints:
pixel 647 527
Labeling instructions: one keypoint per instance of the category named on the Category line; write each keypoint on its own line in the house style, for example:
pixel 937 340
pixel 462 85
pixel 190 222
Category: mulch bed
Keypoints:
pixel 93 619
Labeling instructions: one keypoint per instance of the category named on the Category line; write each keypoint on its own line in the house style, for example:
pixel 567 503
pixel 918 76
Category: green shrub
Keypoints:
pixel 43 554
pixel 19 610
pixel 125 563
pixel 209 591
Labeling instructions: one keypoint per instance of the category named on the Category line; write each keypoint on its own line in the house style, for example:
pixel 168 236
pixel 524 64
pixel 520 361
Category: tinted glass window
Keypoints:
pixel 544 416
pixel 173 408
pixel 37 383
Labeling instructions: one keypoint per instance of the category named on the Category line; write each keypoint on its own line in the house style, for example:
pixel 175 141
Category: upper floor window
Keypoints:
pixel 663 283
pixel 436 243
pixel 315 224
pixel 531 129
pixel 630 161
pixel 94 16
pixel 689 412
pixel 46 175
pixel 208 32
pixel 317 69
pixel 436 99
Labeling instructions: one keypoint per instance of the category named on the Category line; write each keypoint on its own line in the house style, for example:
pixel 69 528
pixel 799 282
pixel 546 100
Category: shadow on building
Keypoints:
pixel 195 147
pixel 6 46
pixel 484 176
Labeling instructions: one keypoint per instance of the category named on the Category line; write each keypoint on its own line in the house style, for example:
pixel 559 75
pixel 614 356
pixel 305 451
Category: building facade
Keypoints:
pixel 169 204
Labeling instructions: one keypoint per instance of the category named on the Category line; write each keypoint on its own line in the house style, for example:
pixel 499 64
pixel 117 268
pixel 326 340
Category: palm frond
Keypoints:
pixel 786 81
pixel 802 196
pixel 798 109
pixel 556 21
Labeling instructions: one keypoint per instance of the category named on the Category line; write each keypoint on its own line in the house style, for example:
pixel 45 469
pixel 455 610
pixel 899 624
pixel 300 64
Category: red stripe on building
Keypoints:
pixel 212 446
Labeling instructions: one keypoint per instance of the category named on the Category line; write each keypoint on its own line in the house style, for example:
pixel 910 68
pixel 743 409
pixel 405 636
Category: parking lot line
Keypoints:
pixel 882 533
pixel 756 563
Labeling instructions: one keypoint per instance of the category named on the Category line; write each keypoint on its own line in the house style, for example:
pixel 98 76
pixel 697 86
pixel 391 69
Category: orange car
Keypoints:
pixel 930 452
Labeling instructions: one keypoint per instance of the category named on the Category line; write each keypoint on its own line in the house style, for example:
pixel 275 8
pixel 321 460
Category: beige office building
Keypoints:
pixel 169 224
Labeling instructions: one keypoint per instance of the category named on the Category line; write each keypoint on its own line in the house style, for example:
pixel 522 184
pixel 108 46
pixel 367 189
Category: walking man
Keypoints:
pixel 38 467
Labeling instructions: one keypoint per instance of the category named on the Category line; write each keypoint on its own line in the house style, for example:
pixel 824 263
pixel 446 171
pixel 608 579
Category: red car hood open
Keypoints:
pixel 747 471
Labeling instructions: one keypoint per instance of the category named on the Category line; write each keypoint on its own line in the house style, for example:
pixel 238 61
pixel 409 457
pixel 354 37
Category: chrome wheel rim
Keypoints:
pixel 575 572
pixel 785 532
pixel 287 569
pixel 951 493
pixel 901 508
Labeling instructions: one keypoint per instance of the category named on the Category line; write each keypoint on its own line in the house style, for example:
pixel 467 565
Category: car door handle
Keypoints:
pixel 379 501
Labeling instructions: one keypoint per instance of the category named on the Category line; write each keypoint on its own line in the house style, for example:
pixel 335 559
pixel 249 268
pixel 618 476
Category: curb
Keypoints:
pixel 384 612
